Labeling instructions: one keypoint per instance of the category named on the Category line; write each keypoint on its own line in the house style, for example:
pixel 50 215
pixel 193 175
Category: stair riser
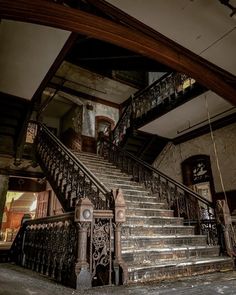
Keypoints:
pixel 133 205
pixel 138 198
pixel 97 163
pixel 163 242
pixel 158 257
pixel 146 212
pixel 123 186
pixel 119 180
pixel 153 221
pixel 108 174
pixel 106 169
pixel 147 231
pixel 175 272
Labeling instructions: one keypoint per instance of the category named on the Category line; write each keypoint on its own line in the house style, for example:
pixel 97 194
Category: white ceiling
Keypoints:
pixel 202 26
pixel 190 116
pixel 26 53
pixel 94 84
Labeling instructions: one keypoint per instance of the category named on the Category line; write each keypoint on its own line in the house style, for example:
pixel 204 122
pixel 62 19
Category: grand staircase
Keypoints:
pixel 155 244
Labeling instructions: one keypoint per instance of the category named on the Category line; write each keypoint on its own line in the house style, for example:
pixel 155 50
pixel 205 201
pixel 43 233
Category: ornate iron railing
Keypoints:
pixel 68 176
pixel 78 249
pixel 187 204
pixel 49 246
pixel 166 90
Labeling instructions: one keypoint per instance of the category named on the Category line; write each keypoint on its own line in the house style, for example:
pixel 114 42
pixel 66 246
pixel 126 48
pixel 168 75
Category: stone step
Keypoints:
pixel 149 212
pixel 144 220
pixel 123 178
pixel 161 241
pixel 155 244
pixel 98 164
pixel 123 186
pixel 88 155
pixel 157 255
pixel 147 230
pixel 147 205
pixel 108 174
pixel 138 198
pixel 176 269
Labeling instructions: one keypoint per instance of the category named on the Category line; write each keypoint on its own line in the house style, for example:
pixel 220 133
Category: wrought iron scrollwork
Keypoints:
pixel 69 178
pixel 193 208
pixel 100 251
pixel 165 90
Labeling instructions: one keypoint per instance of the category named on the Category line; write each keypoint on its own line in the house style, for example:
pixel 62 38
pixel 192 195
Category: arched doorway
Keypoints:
pixel 197 175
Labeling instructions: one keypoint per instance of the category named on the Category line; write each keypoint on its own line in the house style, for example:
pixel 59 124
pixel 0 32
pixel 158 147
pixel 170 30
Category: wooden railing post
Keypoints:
pixel 83 218
pixel 120 267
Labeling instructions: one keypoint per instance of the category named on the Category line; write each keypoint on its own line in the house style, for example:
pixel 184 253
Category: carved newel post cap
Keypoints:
pixel 84 210
pixel 119 206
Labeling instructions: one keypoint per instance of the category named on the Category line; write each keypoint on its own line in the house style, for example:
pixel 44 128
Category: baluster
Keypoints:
pixel 83 218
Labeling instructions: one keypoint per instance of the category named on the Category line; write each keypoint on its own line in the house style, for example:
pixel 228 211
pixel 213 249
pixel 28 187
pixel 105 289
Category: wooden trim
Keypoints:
pixel 21 173
pixel 83 95
pixel 230 119
pixel 143 41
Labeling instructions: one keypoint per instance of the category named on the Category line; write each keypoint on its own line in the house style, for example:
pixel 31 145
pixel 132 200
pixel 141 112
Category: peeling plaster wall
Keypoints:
pixel 4 179
pixel 169 161
pixel 99 109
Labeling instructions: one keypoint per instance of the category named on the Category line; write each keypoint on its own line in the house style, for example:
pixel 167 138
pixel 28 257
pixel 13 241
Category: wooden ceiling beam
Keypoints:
pixel 155 47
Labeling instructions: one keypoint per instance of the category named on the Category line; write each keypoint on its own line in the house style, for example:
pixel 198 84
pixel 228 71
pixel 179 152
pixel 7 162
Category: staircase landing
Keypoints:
pixel 155 244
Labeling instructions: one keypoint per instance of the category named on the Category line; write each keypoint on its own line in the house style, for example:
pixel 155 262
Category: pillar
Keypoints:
pixel 3 194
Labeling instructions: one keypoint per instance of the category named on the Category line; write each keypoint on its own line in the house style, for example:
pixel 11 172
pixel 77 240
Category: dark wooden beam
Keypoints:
pixel 145 41
pixel 83 95
pixel 21 173
pixel 22 184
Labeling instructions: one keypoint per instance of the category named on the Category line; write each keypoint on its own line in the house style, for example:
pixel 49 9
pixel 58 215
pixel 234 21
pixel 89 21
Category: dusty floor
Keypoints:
pixel 15 280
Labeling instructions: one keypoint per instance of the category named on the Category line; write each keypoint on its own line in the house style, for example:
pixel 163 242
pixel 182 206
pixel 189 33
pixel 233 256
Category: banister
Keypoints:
pixel 154 170
pixel 68 176
pixel 166 90
pixel 91 176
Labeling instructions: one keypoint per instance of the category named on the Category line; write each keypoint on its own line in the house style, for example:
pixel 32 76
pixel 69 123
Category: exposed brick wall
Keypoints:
pixel 169 161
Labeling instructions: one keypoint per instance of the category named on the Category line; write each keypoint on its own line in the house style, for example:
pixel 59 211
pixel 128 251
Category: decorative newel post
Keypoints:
pixel 120 266
pixel 225 222
pixel 83 217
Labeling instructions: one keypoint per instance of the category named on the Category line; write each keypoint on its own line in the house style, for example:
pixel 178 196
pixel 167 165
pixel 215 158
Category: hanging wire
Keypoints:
pixel 215 150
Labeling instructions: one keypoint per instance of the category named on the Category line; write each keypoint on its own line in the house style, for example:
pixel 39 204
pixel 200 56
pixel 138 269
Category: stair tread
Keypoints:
pixel 132 250
pixel 159 226
pixel 179 263
pixel 153 237
pixel 152 242
pixel 151 217
pixel 149 209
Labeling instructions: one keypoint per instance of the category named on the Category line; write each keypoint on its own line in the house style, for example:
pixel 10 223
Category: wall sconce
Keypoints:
pixel 226 3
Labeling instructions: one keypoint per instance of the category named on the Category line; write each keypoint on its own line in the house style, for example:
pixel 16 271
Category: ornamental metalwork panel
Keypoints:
pixel 101 250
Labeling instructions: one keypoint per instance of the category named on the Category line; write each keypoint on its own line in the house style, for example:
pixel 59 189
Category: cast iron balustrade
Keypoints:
pixel 167 91
pixel 73 249
pixel 49 246
pixel 69 178
pixel 195 209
